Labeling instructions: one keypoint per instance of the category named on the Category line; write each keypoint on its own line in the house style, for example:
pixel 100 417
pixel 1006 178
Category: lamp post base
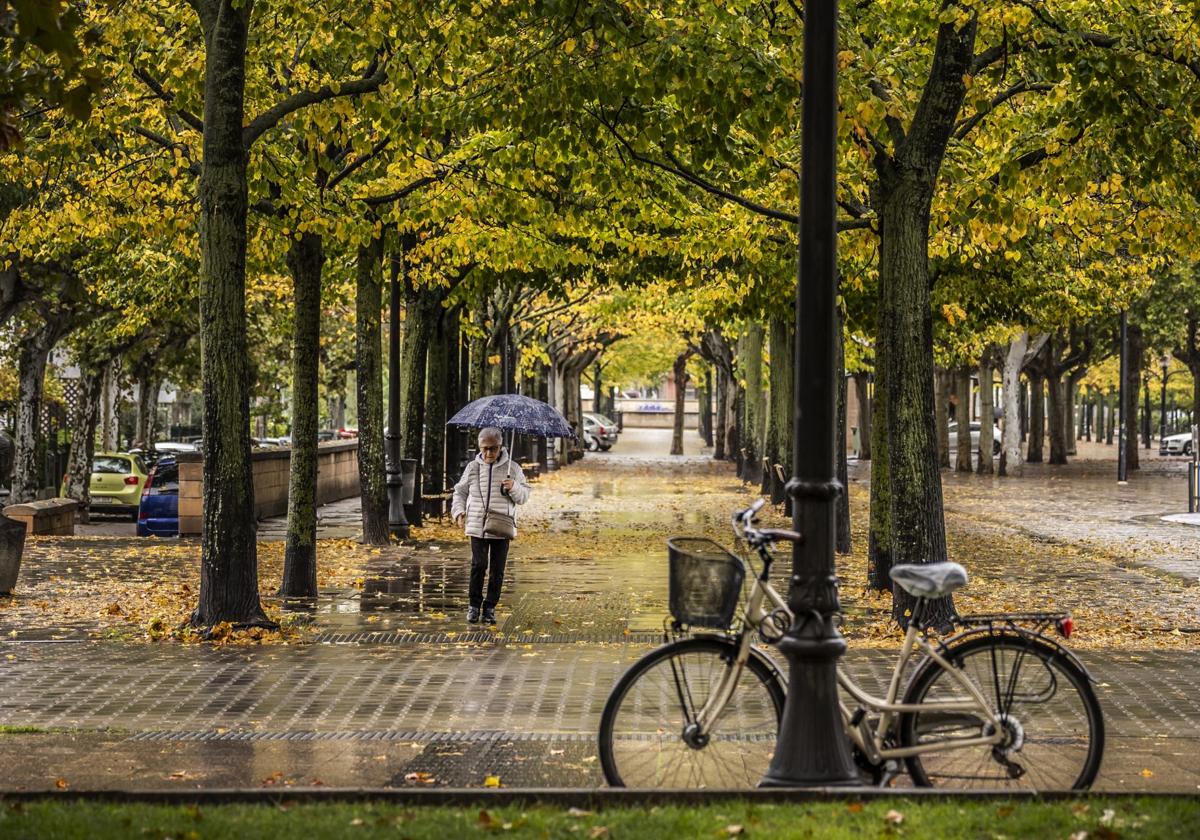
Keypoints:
pixel 820 756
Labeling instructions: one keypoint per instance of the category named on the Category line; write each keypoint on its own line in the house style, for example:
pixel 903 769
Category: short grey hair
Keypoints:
pixel 491 433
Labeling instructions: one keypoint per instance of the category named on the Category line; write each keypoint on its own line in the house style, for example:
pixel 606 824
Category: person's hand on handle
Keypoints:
pixel 506 486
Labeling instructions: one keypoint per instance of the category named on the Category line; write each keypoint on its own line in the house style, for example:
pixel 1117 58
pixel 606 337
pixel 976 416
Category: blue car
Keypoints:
pixel 158 514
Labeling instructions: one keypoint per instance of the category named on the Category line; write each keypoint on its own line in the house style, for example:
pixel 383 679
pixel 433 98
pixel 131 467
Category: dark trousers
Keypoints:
pixel 487 557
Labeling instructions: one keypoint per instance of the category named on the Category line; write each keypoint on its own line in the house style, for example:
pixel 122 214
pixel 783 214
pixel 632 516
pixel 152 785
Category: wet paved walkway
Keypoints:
pixel 370 714
pixel 397 690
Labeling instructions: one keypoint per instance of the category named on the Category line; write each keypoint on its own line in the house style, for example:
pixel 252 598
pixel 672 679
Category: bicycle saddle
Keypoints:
pixel 929 580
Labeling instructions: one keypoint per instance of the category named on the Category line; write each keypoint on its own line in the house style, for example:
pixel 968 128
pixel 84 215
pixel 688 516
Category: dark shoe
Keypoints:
pixel 472 615
pixel 489 615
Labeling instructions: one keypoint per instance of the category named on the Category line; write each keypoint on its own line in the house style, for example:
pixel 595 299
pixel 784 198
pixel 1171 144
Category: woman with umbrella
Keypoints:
pixel 492 485
pixel 485 503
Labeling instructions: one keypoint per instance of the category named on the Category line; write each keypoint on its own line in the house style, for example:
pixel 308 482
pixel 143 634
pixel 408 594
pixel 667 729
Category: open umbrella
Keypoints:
pixel 514 413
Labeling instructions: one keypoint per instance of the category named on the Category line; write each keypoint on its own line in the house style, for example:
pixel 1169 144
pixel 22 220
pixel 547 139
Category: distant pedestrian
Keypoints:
pixel 485 503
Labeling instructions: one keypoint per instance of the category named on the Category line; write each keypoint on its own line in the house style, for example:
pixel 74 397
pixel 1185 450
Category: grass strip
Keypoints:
pixel 1096 818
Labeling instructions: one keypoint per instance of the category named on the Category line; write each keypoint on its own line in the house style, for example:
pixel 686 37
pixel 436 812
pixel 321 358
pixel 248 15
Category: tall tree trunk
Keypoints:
pixel 706 407
pixel 1037 418
pixel 918 530
pixel 751 360
pixel 1110 401
pixel 84 421
pixel 1098 414
pixel 862 391
pixel 1129 411
pixel 453 397
pixel 722 415
pixel 1146 412
pixel 147 409
pixel 943 383
pixel 1056 416
pixel 229 551
pixel 28 463
pixel 597 398
pixel 305 258
pixel 110 406
pixel 842 536
pixel 680 372
pixel 1085 415
pixel 903 193
pixel 879 534
pixel 478 367
pixel 780 419
pixel 1010 453
pixel 962 416
pixel 1074 429
pixel 987 415
pixel 437 376
pixel 368 350
pixel 418 331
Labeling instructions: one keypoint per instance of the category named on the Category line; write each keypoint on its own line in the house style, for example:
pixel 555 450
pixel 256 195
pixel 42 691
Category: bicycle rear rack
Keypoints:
pixel 1040 621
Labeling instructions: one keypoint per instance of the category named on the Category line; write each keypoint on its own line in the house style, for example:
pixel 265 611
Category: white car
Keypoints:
pixel 996 437
pixel 1176 445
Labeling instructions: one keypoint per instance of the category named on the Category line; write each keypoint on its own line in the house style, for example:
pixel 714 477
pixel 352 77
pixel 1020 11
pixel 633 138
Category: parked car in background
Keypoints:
pixel 171 447
pixel 158 515
pixel 116 483
pixel 1176 445
pixel 997 437
pixel 599 432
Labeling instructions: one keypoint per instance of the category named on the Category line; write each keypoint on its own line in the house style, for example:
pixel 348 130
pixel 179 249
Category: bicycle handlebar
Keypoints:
pixel 743 528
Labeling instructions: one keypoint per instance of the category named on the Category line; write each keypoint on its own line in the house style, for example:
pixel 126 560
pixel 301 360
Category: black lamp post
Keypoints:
pixel 812 749
pixel 394 468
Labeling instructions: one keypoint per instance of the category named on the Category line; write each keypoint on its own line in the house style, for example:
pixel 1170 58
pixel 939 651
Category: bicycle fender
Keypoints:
pixel 1021 632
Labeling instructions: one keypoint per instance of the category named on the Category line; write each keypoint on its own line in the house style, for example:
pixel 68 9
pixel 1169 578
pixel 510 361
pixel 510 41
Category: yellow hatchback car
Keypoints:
pixel 116 483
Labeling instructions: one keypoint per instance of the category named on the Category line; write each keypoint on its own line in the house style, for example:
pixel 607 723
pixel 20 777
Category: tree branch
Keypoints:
pixel 350 168
pixel 376 75
pixel 969 124
pixel 158 90
pixel 409 189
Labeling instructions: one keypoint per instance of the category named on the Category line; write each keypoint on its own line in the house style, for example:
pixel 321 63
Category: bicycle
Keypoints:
pixel 1000 704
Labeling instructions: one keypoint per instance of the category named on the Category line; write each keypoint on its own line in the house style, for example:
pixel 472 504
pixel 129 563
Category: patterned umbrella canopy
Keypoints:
pixel 514 413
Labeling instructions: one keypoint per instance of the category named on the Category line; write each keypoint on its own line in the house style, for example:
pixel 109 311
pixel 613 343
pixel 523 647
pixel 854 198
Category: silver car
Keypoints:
pixel 997 438
pixel 599 432
pixel 1176 445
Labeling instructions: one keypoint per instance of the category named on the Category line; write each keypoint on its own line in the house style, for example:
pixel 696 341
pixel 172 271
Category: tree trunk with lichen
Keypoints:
pixel 229 549
pixel 84 421
pixel 305 260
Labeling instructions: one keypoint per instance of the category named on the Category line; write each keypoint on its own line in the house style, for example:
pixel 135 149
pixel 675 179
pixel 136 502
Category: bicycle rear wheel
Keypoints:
pixel 644 741
pixel 1053 726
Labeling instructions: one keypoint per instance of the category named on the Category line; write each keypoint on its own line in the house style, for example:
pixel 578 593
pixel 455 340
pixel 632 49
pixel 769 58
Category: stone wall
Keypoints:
pixel 337 478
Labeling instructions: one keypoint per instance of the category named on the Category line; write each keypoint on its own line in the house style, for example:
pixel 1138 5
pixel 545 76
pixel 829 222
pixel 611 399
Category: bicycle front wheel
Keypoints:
pixel 1052 727
pixel 645 740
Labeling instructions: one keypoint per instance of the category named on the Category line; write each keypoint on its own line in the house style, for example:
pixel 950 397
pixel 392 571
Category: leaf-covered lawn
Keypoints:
pixel 1091 819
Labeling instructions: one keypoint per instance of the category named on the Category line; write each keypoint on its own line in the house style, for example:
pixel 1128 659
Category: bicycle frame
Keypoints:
pixel 869 741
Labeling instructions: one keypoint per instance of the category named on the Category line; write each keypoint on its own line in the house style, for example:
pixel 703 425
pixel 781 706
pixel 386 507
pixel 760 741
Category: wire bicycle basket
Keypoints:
pixel 705 582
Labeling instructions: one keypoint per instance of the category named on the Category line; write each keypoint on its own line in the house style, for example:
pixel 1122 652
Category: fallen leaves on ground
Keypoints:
pixel 608 524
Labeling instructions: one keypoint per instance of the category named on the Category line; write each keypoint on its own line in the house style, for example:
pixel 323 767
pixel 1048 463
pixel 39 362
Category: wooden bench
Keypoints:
pixel 45 518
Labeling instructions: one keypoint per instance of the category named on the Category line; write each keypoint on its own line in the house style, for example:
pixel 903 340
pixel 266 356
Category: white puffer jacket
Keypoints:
pixel 472 490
